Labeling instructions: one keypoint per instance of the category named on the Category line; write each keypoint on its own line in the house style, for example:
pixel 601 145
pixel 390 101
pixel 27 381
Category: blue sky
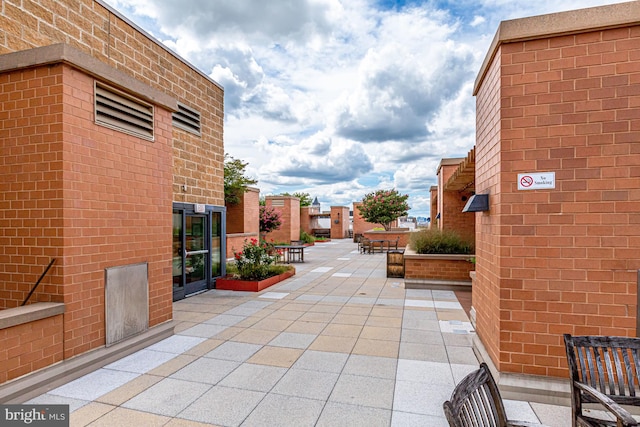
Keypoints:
pixel 338 98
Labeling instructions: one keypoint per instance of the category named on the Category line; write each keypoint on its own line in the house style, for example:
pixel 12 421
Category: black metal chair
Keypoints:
pixel 476 402
pixel 605 371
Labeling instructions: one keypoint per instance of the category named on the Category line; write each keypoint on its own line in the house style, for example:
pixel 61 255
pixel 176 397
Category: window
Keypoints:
pixel 118 110
pixel 187 118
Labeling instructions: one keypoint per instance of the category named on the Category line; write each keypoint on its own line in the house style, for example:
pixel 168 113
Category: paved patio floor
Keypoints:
pixel 338 344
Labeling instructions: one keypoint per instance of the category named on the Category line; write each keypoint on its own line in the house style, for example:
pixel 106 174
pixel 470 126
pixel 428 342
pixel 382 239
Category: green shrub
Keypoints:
pixel 271 270
pixel 436 241
pixel 306 237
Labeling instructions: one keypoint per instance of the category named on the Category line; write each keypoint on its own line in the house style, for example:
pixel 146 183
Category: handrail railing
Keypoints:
pixel 38 282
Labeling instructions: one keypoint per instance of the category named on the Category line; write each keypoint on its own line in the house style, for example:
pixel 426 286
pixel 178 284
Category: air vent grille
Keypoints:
pixel 123 112
pixel 187 118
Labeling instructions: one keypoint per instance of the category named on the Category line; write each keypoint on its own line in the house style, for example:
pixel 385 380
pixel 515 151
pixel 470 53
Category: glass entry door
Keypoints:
pixel 191 259
pixel 196 253
pixel 198 248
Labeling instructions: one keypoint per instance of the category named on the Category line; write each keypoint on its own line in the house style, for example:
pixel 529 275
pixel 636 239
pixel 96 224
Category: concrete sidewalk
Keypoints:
pixel 338 344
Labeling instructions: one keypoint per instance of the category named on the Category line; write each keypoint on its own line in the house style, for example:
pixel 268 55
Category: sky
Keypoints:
pixel 339 98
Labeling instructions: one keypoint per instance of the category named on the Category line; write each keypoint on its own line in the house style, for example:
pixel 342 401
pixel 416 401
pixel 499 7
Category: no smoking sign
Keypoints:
pixel 536 181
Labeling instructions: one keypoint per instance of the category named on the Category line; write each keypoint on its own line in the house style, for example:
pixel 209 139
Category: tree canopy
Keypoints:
pixel 270 219
pixel 235 180
pixel 383 207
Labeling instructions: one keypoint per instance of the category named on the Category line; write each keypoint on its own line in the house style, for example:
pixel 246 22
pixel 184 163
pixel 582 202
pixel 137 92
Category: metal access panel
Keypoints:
pixel 126 301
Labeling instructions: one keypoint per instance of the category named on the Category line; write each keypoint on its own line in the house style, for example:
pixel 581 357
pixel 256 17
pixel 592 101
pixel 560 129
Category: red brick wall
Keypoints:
pixel 419 267
pixel 566 258
pixel 117 211
pixel 305 218
pixel 31 171
pixel 90 196
pixel 31 346
pixel 92 28
pixel 360 225
pixel 463 223
pixel 341 229
pixel 235 242
pixel 244 216
pixel 290 216
pixel 486 288
pixel 433 194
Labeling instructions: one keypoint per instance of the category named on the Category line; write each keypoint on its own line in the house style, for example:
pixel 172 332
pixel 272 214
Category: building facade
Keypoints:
pixel 112 170
pixel 557 152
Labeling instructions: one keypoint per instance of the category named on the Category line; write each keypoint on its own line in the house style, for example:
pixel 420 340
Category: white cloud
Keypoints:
pixel 338 98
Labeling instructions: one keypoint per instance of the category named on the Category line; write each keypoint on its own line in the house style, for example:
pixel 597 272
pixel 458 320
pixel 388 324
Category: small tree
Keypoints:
pixel 270 219
pixel 235 181
pixel 383 207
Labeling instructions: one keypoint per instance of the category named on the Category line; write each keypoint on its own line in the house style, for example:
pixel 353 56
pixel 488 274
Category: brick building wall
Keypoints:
pixel 94 28
pixel 485 298
pixel 28 347
pixel 87 195
pixel 560 260
pixel 451 202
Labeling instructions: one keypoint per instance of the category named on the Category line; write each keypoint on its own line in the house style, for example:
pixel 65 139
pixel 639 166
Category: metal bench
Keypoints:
pixel 605 371
pixel 476 402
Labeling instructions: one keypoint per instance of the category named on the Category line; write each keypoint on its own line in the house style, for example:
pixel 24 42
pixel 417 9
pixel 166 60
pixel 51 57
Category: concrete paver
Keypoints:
pixel 336 344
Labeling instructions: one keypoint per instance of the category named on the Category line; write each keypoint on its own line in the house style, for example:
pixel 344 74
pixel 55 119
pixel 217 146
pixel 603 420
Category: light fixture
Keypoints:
pixel 477 203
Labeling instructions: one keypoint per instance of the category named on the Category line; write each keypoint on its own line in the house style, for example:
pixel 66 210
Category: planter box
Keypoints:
pixel 231 284
pixel 437 269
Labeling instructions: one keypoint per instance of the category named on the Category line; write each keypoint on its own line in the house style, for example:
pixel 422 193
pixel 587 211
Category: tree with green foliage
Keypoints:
pixel 235 180
pixel 383 207
pixel 305 198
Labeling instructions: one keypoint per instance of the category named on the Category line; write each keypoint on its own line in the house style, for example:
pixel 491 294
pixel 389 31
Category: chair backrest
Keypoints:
pixel 476 402
pixel 611 365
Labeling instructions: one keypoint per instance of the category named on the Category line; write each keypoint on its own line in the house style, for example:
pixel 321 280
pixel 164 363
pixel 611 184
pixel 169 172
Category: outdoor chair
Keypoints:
pixel 394 244
pixel 476 402
pixel 604 371
pixel 364 245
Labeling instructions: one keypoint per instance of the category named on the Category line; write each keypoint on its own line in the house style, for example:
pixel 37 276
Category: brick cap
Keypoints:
pixel 66 54
pixel 559 24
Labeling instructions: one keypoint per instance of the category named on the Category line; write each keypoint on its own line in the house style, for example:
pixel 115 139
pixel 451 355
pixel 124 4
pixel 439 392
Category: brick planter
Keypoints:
pixel 231 284
pixel 436 270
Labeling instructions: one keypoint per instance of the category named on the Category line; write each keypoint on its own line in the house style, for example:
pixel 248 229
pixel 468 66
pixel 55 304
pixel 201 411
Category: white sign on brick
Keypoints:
pixel 536 181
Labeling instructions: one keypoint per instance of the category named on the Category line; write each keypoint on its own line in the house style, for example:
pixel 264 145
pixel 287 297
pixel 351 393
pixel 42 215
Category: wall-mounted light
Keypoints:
pixel 477 203
pixel 337 220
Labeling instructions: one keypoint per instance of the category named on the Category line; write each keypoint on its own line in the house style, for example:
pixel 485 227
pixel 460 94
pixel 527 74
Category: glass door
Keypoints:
pixel 198 248
pixel 196 261
pixel 178 255
pixel 216 244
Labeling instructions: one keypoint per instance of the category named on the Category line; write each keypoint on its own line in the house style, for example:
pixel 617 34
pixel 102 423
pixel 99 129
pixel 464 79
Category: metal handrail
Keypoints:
pixel 38 282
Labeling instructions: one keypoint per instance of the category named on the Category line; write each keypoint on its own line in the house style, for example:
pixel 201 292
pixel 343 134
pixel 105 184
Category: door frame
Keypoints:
pixel 191 209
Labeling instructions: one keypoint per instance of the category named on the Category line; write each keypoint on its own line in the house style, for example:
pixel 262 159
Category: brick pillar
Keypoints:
pixel 289 208
pixel 305 218
pixel 243 217
pixel 339 222
pixel 433 192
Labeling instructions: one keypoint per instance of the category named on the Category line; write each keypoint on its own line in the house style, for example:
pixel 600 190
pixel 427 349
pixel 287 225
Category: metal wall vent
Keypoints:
pixel 187 118
pixel 123 112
